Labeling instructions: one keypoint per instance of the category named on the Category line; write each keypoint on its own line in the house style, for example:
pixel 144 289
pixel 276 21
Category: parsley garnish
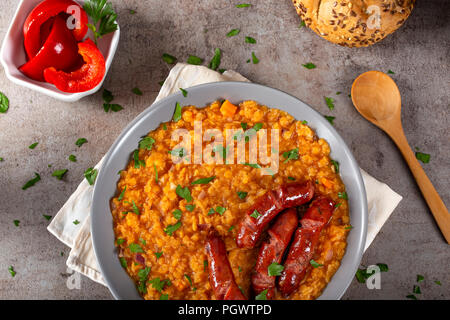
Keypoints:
pixel 4 103
pixel 274 269
pixel 177 113
pixel 390 72
pixel 172 228
pixel 242 194
pixel 59 174
pixel 184 193
pixel 146 143
pixel 336 165
pixel 91 175
pixel 168 59
pixel 253 165
pixel 290 155
pixel 330 119
pixel 291 178
pixel 177 152
pixel 137 163
pixel 107 96
pixel 190 207
pixel 80 142
pixel 220 210
pixel 33 145
pixel 102 12
pixel 309 65
pixel 123 262
pixel 11 271
pixel 122 194
pixel 32 182
pixel 330 102
pixel 16 222
pixel 262 295
pixel 343 195
pixel 72 158
pixel 205 265
pixel 120 241
pixel 194 60
pixel 158 254
pixel 114 107
pixel 156 172
pixel 416 289
pixel 177 214
pixel 302 24
pixel 243 5
pixel 255 60
pixel 184 92
pixel 215 61
pixel 256 214
pixel 158 284
pixel 204 180
pixel 164 296
pixel 438 283
pixel 137 91
pixel 188 278
pixel 76 222
pixel 424 157
pixel 362 275
pixel 211 211
pixel 250 40
pixel 135 248
pixel 143 275
pixel 47 217
pixel 233 32
pixel 411 296
pixel 230 229
pixel 315 264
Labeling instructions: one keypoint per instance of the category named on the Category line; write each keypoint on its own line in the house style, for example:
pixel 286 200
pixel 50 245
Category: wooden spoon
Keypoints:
pixel 377 98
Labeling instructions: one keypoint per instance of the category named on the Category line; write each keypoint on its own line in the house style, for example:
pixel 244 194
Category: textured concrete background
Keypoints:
pixel 418 53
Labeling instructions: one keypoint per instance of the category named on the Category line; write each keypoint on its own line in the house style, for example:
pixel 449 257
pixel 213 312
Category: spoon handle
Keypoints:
pixel 434 201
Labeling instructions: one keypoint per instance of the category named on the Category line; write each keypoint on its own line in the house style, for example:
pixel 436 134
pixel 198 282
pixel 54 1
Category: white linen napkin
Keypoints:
pixel 381 199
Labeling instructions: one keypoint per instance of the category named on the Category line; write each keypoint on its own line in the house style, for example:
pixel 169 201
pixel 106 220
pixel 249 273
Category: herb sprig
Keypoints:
pixel 103 17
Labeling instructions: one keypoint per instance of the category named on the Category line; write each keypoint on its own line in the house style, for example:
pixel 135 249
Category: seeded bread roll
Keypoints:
pixel 354 23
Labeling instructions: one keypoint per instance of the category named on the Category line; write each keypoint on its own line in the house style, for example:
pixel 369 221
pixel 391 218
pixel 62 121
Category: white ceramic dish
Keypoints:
pixel 12 55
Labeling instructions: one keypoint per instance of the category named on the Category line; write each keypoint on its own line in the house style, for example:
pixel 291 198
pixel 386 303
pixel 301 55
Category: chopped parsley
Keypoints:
pixel 107 96
pixel 255 60
pixel 362 275
pixel 243 5
pixel 143 276
pixel 76 222
pixel 172 228
pixel 158 284
pixel 253 165
pixel 194 60
pixel 122 194
pixel 330 119
pixel 424 157
pixel 309 65
pixel 137 163
pixel 302 24
pixel 135 248
pixel 47 217
pixel 32 182
pixel 32 146
pixel 233 32
pixel 411 296
pixel 330 102
pixel 258 126
pixel 250 40
pixel 4 103
pixel 211 211
pixel 390 72
pixel 146 143
pixel 188 279
pixel 72 158
pixel 164 296
pixel 156 172
pixel 244 125
pixel 220 210
pixel 184 193
pixel 262 295
pixel 123 262
pixel 205 265
pixel 158 254
pixel 11 271
pixel 343 195
pixel 336 165
pixel 438 283
pixel 230 229
pixel 103 17
pixel 59 174
pixel 255 214
pixel 190 207
pixel 416 289
pixel 177 152
pixel 242 194
pixel 134 206
pixel 120 241
pixel 348 227
pixel 291 178
pixel 177 214
pixel 274 269
pixel 114 107
pixel 80 142
pixel 90 175
pixel 168 58
pixel 215 61
pixel 16 222
pixel 177 113
pixel 203 180
pixel 290 155
pixel 315 264
pixel 184 92
pixel 137 91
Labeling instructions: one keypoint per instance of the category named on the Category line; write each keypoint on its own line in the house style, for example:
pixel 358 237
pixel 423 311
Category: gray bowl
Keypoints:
pixel 120 284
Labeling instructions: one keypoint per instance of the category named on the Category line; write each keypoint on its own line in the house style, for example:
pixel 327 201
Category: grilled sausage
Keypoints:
pixel 304 244
pixel 273 250
pixel 221 275
pixel 267 207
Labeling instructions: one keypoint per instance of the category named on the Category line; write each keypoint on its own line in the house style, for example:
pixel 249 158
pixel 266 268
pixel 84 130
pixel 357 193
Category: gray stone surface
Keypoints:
pixel 418 53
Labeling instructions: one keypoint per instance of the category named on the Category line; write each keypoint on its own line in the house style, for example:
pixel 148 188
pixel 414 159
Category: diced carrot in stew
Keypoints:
pixel 327 183
pixel 228 109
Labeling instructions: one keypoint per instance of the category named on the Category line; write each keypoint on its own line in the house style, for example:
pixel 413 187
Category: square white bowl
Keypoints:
pixel 12 55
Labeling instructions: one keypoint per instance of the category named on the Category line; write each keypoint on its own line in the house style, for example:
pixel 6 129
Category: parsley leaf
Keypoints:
pixel 164 296
pixel 114 107
pixel 184 193
pixel 158 254
pixel 290 155
pixel 91 175
pixel 123 262
pixel 336 165
pixel 315 264
pixel 32 182
pixel 203 180
pixel 59 174
pixel 196 61
pixel 158 284
pixel 11 271
pixel 330 102
pixel 255 60
pixel 215 61
pixel 156 172
pixel 242 194
pixel 420 278
pixel 411 296
pixel 330 119
pixel 390 72
pixel 243 5
pixel 33 145
pixel 190 207
pixel 76 222
pixel 168 59
pixel 233 32
pixel 220 210
pixel 4 103
pixel 137 162
pixel 80 142
pixel 250 40
pixel 137 91
pixel 343 195
pixel 274 269
pixel 177 113
pixel 424 157
pixel 262 295
pixel 172 228
pixel 16 222
pixel 177 214
pixel 72 158
pixel 47 217
pixel 309 65
pixel 122 194
pixel 135 248
pixel 101 11
pixel 184 92
pixel 256 214
pixel 146 143
pixel 107 96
